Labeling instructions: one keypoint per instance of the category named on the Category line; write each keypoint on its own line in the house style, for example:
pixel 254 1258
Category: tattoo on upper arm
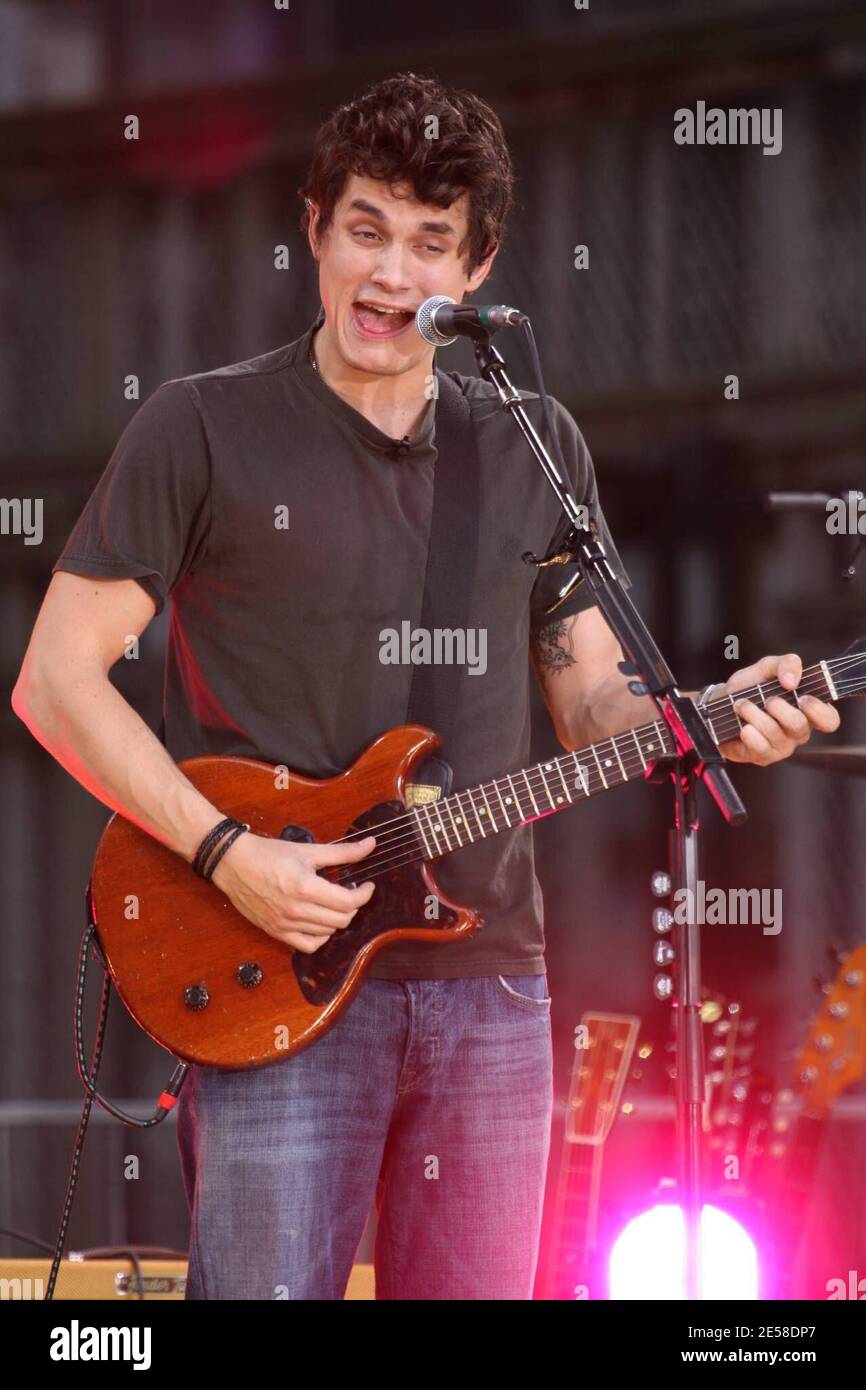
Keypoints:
pixel 552 646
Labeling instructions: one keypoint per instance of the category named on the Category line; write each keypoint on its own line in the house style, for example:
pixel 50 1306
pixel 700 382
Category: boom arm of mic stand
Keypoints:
pixel 692 739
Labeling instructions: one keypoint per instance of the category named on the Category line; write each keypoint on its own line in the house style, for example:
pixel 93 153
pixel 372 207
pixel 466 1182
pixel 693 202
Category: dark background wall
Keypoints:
pixel 155 257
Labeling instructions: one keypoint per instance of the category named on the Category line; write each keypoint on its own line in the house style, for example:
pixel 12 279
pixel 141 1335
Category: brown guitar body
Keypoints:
pixel 202 980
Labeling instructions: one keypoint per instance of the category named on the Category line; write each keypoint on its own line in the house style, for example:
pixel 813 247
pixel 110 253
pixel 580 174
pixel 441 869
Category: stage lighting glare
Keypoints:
pixel 648 1257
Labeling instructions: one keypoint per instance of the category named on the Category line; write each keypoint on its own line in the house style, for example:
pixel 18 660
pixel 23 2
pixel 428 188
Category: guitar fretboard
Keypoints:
pixel 521 797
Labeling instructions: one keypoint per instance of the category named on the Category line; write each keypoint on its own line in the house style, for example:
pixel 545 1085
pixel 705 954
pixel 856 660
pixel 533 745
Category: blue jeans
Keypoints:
pixel 433 1097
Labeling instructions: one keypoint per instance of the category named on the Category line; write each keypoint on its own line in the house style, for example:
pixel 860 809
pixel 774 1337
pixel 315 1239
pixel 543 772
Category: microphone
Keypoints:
pixel 440 320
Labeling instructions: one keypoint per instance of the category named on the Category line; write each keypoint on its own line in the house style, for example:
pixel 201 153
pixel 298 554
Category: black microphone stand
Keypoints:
pixel 697 756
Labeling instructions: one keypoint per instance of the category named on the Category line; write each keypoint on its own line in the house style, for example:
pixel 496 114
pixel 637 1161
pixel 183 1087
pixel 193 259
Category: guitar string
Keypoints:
pixel 802 689
pixel 395 838
pixel 731 723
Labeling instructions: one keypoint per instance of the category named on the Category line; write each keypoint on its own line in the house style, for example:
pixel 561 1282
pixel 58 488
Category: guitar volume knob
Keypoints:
pixel 249 974
pixel 196 997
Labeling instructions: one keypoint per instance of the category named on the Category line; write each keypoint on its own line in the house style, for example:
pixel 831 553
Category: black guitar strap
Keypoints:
pixel 434 695
pixel 436 689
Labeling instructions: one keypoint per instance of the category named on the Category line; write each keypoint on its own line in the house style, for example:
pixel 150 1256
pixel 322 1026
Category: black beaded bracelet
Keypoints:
pixel 202 863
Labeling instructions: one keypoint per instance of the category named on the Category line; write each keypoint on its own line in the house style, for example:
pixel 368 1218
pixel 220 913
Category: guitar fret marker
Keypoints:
pixel 502 804
pixel 441 827
pixel 516 797
pixel 477 816
pixel 454 827
pixel 487 807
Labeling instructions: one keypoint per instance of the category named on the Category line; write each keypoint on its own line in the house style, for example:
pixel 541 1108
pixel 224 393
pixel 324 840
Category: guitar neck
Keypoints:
pixel 522 797
pixel 575 1218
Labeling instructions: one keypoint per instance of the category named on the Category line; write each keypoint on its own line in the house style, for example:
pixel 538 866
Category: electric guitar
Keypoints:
pixel 214 989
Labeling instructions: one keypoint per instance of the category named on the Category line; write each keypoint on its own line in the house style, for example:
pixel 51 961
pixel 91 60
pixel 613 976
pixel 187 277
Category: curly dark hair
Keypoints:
pixel 381 135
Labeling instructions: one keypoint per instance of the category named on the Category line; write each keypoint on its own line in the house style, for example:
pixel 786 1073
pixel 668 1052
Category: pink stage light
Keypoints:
pixel 648 1257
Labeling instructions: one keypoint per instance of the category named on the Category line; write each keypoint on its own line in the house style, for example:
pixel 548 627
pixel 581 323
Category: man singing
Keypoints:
pixel 432 1093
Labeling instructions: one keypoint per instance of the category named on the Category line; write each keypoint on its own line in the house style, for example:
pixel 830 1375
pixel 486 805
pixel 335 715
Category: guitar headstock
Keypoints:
pixel 729 1052
pixel 603 1051
pixel 834 1055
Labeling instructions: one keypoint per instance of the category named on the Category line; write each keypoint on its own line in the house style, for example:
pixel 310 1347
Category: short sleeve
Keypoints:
pixel 148 516
pixel 553 578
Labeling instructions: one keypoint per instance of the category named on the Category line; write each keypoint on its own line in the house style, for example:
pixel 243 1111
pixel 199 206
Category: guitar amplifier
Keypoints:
pixel 116 1279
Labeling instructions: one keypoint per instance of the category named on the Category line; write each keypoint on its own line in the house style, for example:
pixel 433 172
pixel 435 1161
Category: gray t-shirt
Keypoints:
pixel 290 533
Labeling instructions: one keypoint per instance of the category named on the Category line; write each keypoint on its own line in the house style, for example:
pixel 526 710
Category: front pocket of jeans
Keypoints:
pixel 510 987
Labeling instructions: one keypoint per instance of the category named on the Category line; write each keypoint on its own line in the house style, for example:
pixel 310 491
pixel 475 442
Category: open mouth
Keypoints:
pixel 373 320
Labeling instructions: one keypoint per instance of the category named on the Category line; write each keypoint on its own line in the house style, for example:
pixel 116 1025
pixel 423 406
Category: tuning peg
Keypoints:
pixel 660 883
